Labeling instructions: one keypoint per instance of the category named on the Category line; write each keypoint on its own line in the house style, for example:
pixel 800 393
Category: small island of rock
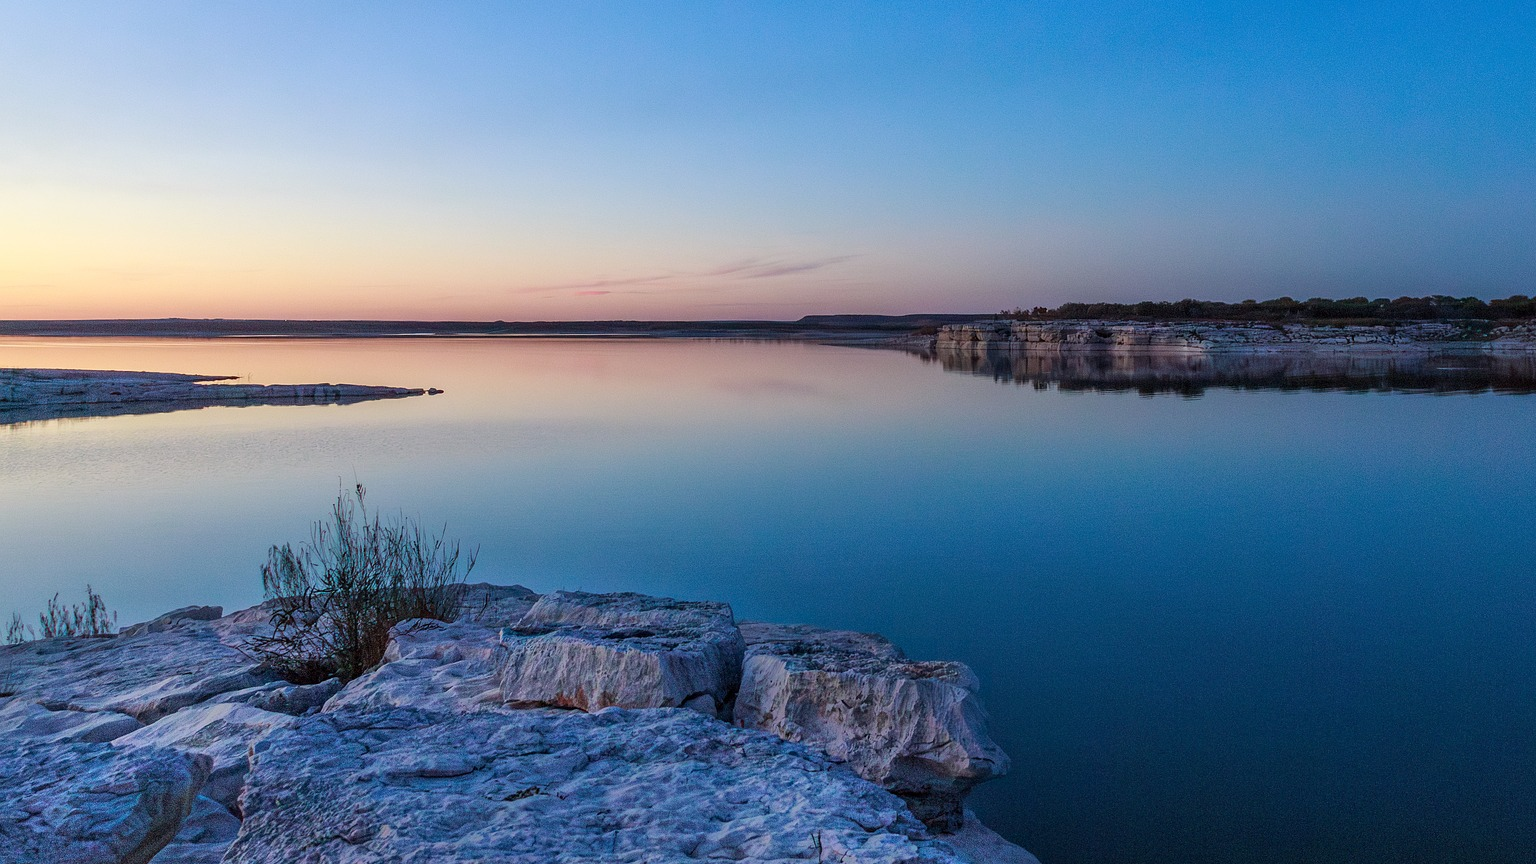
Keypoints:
pixel 28 395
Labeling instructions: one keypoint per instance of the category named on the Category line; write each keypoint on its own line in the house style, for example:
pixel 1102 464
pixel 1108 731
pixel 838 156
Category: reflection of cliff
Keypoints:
pixel 1150 371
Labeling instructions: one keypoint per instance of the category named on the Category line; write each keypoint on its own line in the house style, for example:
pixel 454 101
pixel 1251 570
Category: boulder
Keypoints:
pixel 916 728
pixel 145 676
pixel 175 618
pixel 204 837
pixel 24 718
pixel 432 665
pixel 223 733
pixel 595 651
pixel 542 786
pixel 92 803
pixel 494 605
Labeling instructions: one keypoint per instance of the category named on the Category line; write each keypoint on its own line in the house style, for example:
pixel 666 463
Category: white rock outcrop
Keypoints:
pixel 92 803
pixel 548 786
pixel 595 651
pixel 24 718
pixel 282 697
pixel 223 733
pixel 204 837
pixel 145 676
pixel 916 728
pixel 431 665
pixel 167 744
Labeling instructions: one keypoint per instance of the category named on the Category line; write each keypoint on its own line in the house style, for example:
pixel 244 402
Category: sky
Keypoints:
pixel 583 160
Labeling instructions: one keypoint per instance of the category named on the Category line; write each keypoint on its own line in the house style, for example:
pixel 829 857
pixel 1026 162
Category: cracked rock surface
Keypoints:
pixel 166 744
pixel 595 651
pixel 92 803
pixel 555 786
pixel 146 676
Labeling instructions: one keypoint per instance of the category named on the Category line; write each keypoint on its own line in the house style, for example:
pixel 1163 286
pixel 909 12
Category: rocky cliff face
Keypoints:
pixel 569 727
pixel 1230 336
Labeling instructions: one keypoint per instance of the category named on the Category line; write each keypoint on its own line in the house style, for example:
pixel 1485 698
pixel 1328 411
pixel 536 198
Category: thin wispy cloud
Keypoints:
pixel 716 277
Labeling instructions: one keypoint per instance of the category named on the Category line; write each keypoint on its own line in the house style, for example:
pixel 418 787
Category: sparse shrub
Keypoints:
pixel 90 618
pixel 15 631
pixel 336 597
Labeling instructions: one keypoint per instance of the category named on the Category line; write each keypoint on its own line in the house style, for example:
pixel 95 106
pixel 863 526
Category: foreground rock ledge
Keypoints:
pixel 568 727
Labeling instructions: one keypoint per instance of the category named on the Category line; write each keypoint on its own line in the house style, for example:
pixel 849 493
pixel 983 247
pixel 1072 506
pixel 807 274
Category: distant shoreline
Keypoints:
pixel 828 328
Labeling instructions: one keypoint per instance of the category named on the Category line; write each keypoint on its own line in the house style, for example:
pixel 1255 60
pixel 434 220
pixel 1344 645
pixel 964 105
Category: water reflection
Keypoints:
pixel 30 414
pixel 1152 372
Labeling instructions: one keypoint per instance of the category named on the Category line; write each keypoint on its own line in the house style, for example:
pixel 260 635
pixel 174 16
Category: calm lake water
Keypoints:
pixel 1258 625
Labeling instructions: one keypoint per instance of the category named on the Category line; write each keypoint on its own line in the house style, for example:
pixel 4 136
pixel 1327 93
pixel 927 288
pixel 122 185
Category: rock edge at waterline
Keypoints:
pixel 567 727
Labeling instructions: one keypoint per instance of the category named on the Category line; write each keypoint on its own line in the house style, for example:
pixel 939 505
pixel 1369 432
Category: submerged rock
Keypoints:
pixel 92 803
pixel 595 651
pixel 542 786
pixel 916 728
pixel 985 846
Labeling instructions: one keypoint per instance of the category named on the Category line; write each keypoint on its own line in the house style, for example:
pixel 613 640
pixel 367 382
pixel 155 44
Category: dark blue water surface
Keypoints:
pixel 1258 625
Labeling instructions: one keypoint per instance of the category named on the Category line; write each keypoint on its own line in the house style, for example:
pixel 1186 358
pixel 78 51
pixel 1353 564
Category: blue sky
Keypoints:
pixel 698 160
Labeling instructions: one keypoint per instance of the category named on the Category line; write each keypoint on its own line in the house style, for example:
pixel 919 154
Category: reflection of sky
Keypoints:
pixel 724 160
pixel 1201 624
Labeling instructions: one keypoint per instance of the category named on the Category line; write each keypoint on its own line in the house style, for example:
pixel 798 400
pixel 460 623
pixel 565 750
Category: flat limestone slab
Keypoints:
pixel 92 803
pixel 146 676
pixel 542 786
pixel 24 718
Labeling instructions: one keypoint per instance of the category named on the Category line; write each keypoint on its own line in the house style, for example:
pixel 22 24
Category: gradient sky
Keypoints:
pixel 732 159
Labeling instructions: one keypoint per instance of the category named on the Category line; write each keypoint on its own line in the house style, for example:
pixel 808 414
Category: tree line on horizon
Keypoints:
pixel 1436 307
